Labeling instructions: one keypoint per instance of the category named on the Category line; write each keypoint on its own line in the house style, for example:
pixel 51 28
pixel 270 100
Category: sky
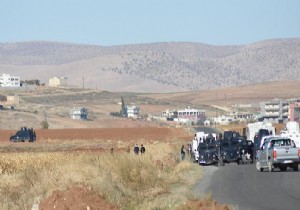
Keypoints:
pixel 118 22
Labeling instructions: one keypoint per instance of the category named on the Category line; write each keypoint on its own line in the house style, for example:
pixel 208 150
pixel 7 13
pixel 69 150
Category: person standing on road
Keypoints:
pixel 142 149
pixel 182 152
pixel 136 149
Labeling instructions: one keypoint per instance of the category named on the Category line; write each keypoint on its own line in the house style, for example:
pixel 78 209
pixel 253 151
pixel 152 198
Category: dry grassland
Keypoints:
pixel 152 181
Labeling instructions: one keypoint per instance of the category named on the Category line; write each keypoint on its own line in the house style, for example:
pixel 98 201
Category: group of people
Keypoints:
pixel 137 149
pixel 183 151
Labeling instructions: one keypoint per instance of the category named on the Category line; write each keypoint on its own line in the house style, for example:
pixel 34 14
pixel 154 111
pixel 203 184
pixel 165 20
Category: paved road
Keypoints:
pixel 246 188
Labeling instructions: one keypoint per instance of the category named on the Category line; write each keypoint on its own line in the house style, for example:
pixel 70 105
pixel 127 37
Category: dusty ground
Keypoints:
pixel 76 198
pixel 54 105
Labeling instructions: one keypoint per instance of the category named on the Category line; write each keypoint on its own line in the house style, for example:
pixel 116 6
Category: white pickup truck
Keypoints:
pixel 278 153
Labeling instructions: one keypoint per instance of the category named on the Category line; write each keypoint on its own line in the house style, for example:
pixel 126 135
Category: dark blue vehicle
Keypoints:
pixel 230 151
pixel 208 153
pixel 24 134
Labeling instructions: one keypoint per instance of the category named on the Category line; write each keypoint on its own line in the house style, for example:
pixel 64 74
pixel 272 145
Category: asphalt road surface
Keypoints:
pixel 246 188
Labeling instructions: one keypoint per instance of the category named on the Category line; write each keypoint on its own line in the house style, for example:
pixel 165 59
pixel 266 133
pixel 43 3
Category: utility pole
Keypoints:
pixel 82 82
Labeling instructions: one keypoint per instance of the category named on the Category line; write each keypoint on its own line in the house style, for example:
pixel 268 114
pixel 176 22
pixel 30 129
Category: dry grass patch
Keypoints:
pixel 129 181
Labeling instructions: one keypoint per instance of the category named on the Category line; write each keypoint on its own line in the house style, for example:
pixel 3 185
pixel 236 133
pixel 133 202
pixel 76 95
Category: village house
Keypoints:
pixel 79 113
pixel 133 111
pixel 58 81
pixel 9 81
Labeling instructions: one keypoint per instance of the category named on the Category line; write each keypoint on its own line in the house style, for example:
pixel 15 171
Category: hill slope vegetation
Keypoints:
pixel 156 67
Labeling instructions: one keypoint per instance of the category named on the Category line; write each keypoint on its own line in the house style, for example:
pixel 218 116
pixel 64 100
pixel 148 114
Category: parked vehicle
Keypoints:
pixel 24 134
pixel 246 151
pixel 258 139
pixel 201 137
pixel 230 151
pixel 253 129
pixel 231 135
pixel 207 154
pixel 278 153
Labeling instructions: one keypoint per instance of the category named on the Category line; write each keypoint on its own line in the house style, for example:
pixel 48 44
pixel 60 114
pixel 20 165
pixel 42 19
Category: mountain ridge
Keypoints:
pixel 162 67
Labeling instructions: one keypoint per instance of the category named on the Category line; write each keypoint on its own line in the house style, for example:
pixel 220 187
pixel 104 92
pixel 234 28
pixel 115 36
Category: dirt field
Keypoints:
pixel 144 134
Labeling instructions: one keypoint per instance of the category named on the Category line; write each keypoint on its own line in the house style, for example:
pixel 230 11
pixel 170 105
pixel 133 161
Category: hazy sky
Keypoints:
pixel 112 22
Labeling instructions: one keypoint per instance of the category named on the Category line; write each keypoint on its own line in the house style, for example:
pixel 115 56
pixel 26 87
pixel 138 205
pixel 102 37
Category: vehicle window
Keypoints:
pixel 264 132
pixel 265 145
pixel 282 142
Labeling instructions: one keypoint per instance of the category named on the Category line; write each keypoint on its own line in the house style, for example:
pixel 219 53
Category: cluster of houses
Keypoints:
pixel 8 81
pixel 273 111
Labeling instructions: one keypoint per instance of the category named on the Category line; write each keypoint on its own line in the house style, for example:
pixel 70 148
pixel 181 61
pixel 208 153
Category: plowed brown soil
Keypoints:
pixel 149 134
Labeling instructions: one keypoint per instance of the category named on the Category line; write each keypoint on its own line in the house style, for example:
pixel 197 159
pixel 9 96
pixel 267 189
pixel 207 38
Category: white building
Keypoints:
pixel 79 113
pixel 223 120
pixel 191 115
pixel 58 81
pixel 133 111
pixel 9 81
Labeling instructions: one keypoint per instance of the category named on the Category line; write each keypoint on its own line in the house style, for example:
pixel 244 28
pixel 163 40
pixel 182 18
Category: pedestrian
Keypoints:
pixel 136 149
pixel 128 149
pixel 143 150
pixel 112 151
pixel 182 152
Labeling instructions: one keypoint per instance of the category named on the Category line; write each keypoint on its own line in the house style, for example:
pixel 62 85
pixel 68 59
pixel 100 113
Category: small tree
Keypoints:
pixel 44 124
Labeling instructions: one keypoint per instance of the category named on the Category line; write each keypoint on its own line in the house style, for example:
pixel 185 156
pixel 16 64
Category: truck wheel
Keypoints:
pixel 258 167
pixel 295 167
pixel 270 166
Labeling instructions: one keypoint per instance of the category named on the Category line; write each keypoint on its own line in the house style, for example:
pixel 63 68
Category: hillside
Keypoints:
pixel 156 67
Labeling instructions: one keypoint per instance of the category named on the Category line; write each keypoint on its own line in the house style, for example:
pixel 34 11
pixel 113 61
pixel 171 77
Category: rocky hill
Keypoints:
pixel 156 67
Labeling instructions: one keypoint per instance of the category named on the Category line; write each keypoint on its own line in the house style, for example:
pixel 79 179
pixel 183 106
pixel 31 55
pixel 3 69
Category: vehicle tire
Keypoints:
pixel 258 166
pixel 295 167
pixel 270 166
pixel 282 168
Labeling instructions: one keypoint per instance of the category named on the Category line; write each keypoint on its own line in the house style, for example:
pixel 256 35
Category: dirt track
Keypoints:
pixel 149 134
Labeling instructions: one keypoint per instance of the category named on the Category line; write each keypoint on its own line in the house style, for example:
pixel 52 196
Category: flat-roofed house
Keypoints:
pixel 79 113
pixel 191 115
pixel 133 111
pixel 58 81
pixel 9 81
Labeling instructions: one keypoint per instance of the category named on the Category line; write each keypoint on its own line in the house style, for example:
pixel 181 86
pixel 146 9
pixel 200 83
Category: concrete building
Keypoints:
pixel 170 115
pixel 79 113
pixel 191 115
pixel 133 111
pixel 13 100
pixel 294 111
pixel 275 111
pixel 58 81
pixel 9 81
